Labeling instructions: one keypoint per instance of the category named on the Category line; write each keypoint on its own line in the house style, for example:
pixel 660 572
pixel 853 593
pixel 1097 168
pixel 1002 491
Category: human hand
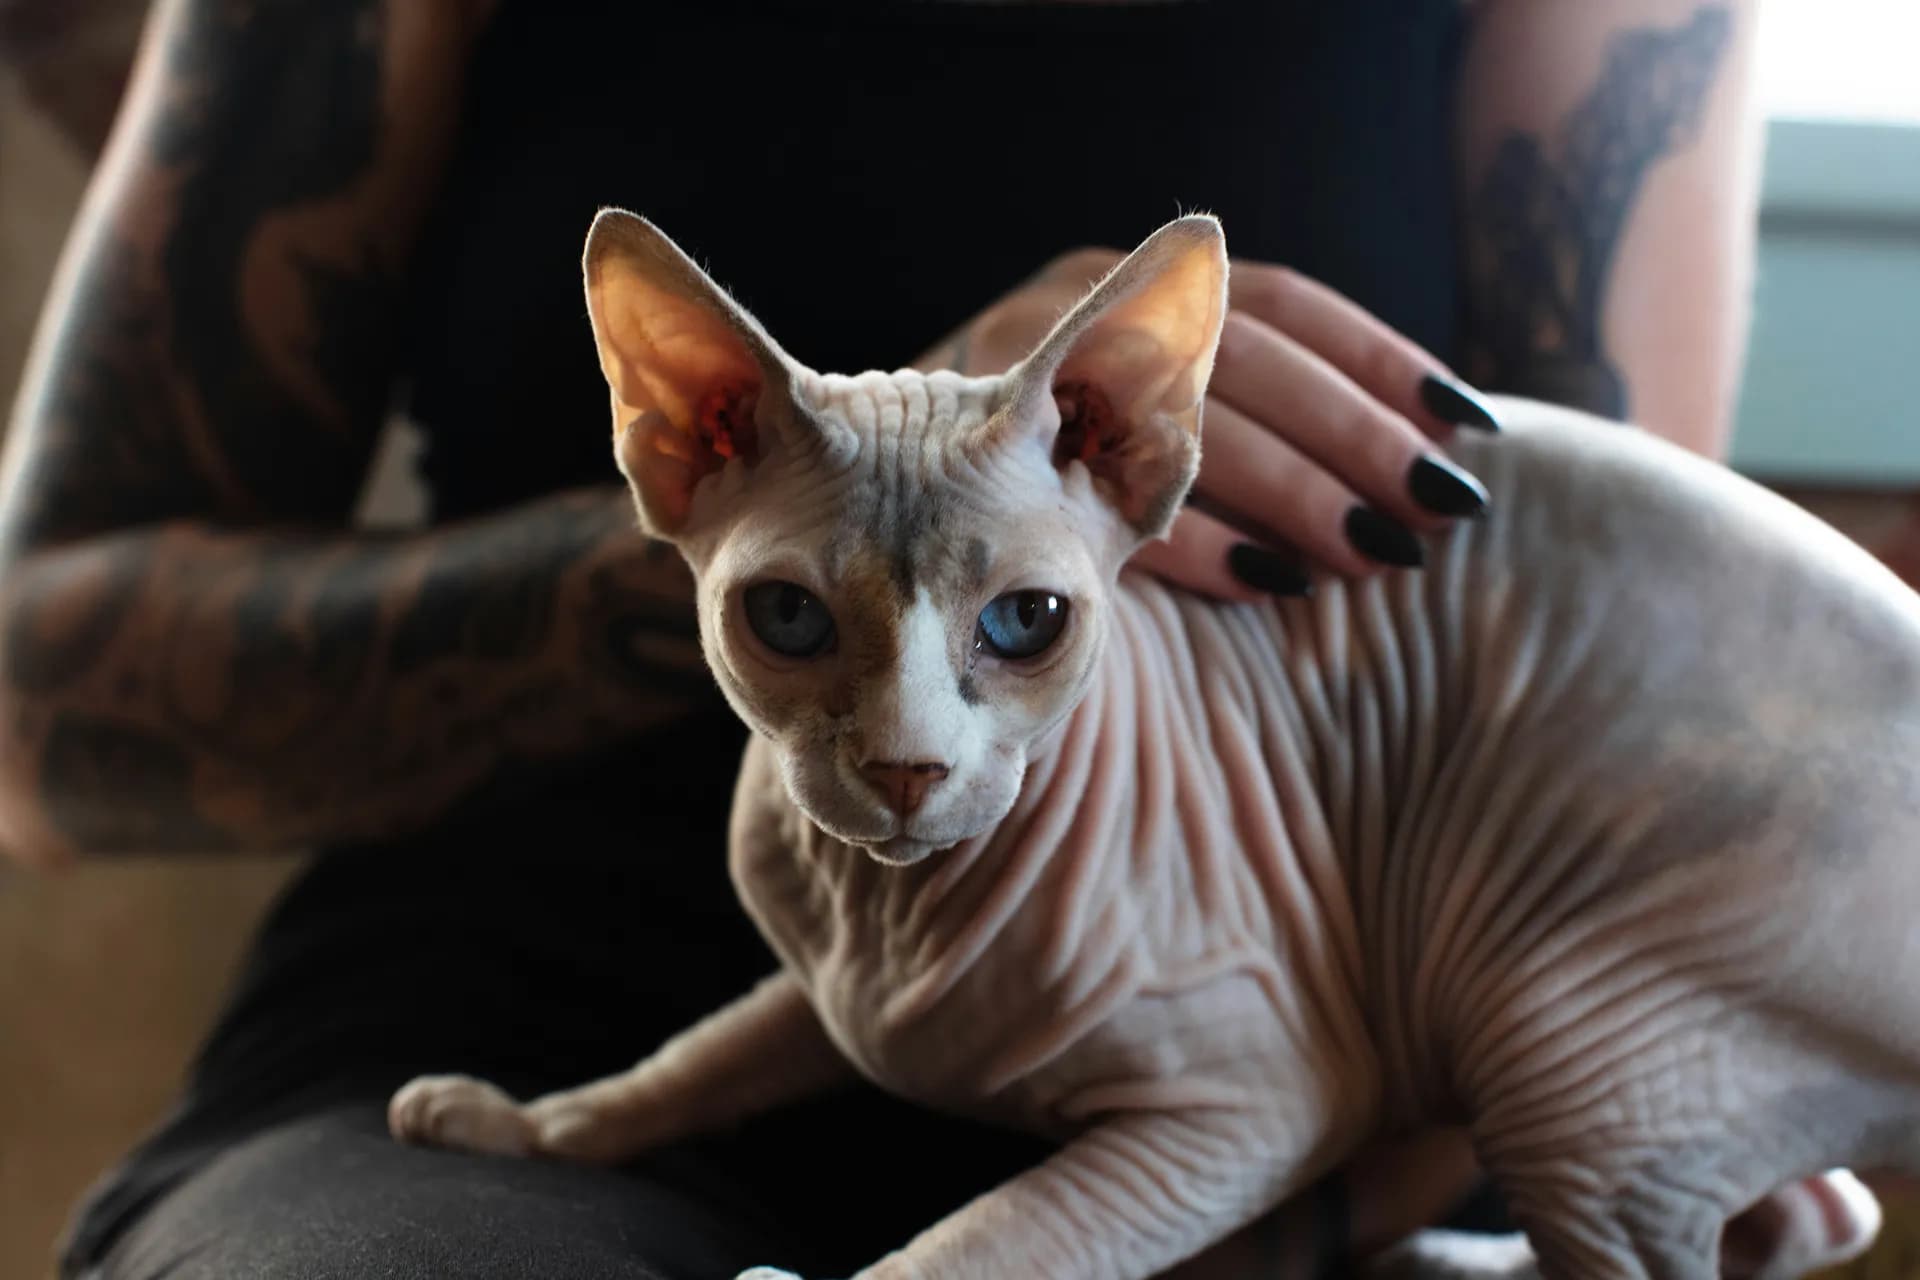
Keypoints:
pixel 1321 427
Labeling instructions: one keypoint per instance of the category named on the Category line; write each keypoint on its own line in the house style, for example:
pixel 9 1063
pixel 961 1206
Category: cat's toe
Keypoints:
pixel 569 1127
pixel 461 1113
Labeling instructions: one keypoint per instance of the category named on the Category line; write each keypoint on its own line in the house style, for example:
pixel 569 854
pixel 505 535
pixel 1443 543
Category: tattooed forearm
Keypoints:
pixel 150 779
pixel 278 313
pixel 216 691
pixel 226 350
pixel 1545 221
pixel 179 670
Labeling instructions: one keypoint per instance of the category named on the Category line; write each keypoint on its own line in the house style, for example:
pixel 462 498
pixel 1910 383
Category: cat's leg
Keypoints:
pixel 1123 1201
pixel 1803 1227
pixel 1717 1191
pixel 765 1049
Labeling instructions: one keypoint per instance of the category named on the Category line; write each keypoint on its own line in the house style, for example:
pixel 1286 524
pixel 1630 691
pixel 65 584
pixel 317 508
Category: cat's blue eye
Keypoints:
pixel 1021 624
pixel 788 619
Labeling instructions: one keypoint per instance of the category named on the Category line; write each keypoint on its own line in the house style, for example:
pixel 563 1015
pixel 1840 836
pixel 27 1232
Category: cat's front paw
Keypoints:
pixel 460 1113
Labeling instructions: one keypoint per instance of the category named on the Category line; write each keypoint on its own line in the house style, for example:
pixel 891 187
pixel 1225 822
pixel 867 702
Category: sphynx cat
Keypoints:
pixel 1599 837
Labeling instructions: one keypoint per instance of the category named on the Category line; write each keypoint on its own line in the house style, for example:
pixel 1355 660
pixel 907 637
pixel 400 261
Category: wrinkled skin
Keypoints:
pixel 1600 837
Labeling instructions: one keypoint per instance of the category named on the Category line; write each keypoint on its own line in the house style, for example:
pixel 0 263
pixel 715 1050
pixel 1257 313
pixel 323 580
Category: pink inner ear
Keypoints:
pixel 1142 467
pixel 723 423
pixel 1089 430
pixel 669 461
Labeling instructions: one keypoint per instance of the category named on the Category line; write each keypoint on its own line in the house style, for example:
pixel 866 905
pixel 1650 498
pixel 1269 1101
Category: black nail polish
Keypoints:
pixel 1445 489
pixel 1452 402
pixel 1379 536
pixel 1263 570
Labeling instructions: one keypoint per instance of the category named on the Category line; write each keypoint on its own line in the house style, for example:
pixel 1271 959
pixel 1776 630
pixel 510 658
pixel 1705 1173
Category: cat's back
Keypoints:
pixel 1614 560
pixel 1628 622
pixel 1609 561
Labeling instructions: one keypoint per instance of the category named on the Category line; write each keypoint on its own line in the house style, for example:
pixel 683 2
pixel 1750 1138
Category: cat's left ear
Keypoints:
pixel 693 377
pixel 1121 379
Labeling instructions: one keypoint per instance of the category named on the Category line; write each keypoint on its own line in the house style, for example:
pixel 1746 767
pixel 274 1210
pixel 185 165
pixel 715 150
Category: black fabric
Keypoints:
pixel 866 175
pixel 330 1196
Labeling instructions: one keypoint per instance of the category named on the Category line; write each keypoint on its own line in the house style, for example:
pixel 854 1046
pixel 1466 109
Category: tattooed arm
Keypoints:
pixel 1609 176
pixel 195 651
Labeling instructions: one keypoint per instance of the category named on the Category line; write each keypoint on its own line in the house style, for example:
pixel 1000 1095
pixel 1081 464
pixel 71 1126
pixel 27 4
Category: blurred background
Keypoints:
pixel 109 974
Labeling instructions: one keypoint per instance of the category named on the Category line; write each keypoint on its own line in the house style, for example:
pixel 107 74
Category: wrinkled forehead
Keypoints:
pixel 913 503
pixel 929 535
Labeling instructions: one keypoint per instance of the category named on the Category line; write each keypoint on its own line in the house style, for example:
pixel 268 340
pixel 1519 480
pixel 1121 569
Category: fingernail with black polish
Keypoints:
pixel 1445 489
pixel 1378 536
pixel 1451 402
pixel 1263 570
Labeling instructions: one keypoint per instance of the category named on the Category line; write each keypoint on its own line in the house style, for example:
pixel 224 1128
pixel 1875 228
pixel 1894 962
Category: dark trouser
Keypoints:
pixel 330 1196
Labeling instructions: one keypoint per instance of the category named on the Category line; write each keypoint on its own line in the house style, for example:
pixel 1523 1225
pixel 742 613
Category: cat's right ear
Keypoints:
pixel 695 381
pixel 1117 386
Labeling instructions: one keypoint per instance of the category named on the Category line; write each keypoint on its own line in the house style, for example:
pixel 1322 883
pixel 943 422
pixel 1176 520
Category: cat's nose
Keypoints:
pixel 903 786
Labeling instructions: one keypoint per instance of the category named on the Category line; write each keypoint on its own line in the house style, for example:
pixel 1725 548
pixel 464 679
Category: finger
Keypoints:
pixel 1290 391
pixel 1391 367
pixel 1007 332
pixel 1258 481
pixel 1202 554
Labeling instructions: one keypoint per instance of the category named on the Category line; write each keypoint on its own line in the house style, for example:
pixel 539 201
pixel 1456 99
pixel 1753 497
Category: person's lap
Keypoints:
pixel 330 1196
pixel 542 940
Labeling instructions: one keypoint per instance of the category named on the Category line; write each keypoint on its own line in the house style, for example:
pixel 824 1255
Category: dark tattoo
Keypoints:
pixel 282 112
pixel 301 630
pixel 106 448
pixel 238 371
pixel 150 779
pixel 200 653
pixel 1543 228
pixel 49 649
pixel 649 642
pixel 494 599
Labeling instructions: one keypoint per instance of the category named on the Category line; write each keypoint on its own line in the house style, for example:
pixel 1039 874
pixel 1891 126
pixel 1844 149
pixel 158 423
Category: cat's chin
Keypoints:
pixel 900 851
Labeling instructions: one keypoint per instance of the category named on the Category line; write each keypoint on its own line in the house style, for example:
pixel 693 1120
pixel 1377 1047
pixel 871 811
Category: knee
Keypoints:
pixel 334 1198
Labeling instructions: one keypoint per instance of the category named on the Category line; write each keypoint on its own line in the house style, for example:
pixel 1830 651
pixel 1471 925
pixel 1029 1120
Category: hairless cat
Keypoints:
pixel 1600 837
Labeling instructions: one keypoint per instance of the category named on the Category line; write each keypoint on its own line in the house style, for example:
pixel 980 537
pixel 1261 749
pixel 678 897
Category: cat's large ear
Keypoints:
pixel 694 378
pixel 1121 378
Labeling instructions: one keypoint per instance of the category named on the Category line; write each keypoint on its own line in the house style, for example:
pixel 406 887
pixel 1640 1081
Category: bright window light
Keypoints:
pixel 1841 59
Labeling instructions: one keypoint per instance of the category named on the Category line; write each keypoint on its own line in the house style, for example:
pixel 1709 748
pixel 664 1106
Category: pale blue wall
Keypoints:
pixel 1832 389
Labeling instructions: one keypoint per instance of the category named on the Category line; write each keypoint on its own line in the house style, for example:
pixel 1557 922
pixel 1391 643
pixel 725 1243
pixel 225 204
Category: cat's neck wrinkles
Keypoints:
pixel 1152 798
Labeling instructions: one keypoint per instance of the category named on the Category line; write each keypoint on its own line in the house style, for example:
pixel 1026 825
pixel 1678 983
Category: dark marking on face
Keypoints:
pixel 979 560
pixel 907 532
pixel 840 698
pixel 969 690
pixel 868 620
pixel 900 565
